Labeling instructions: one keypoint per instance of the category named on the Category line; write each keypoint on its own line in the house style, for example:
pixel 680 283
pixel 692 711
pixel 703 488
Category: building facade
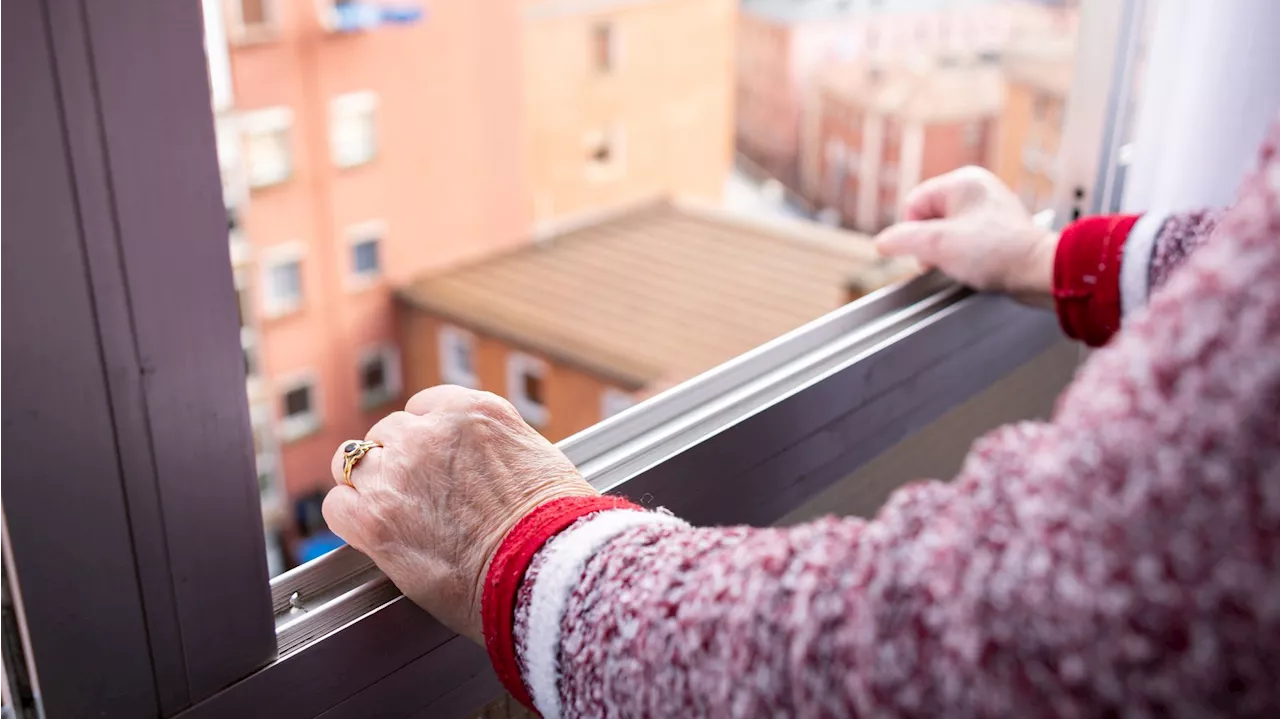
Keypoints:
pixel 785 45
pixel 340 156
pixel 1036 87
pixel 626 100
pixel 880 131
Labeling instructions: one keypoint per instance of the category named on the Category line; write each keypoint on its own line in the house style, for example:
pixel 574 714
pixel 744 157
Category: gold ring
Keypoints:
pixel 354 450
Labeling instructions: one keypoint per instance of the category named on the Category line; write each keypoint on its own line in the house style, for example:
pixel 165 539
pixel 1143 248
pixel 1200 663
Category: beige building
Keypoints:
pixel 582 324
pixel 1031 123
pixel 626 100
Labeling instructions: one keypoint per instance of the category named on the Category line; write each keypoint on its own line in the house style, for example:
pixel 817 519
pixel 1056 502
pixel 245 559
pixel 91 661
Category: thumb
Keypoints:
pixel 920 239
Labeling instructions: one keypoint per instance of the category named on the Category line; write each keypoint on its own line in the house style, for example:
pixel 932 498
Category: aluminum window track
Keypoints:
pixel 614 455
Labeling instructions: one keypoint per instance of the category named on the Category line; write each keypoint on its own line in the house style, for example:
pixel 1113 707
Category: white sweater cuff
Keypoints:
pixel 564 560
pixel 1135 262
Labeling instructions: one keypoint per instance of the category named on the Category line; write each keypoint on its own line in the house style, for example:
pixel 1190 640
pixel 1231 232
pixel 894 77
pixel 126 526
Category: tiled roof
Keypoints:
pixel 924 91
pixel 658 293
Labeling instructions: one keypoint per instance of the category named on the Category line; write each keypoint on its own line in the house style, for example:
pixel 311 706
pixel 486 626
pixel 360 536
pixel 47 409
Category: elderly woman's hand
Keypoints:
pixel 969 225
pixel 456 470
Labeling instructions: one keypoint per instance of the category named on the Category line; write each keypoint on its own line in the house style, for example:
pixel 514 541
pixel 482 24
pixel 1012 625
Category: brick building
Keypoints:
pixel 1036 87
pixel 626 100
pixel 617 307
pixel 878 131
pixel 340 139
pixel 784 46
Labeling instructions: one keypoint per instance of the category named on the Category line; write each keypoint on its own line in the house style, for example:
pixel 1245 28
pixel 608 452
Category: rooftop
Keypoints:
pixel 659 292
pixel 931 92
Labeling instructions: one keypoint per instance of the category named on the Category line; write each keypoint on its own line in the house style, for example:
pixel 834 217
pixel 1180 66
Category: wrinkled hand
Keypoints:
pixel 969 225
pixel 457 469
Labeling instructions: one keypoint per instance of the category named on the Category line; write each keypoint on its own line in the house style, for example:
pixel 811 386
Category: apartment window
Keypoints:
pixel 379 376
pixel 268 155
pixel 613 401
pixel 457 357
pixel 252 20
pixel 282 280
pixel 526 387
pixel 353 128
pixel 603 47
pixel 299 408
pixel 605 151
pixel 366 251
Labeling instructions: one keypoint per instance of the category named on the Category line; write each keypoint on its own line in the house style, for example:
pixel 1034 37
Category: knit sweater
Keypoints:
pixel 1121 558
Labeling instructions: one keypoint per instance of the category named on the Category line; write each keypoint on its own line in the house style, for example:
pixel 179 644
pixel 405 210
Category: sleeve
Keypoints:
pixel 1123 558
pixel 1105 267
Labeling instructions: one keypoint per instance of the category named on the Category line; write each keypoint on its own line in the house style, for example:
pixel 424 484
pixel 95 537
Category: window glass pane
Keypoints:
pixel 364 257
pixel 622 195
pixel 297 401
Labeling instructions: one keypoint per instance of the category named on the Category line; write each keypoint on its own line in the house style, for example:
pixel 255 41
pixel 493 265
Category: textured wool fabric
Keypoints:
pixel 1120 559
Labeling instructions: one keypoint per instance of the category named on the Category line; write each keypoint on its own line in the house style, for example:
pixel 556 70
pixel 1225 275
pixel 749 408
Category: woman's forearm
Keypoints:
pixel 1122 557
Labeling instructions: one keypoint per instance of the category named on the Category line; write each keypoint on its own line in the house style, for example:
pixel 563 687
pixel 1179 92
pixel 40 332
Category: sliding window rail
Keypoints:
pixel 743 443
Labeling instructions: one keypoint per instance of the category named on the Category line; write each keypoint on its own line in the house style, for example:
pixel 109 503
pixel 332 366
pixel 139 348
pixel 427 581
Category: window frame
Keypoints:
pixel 267 120
pixel 448 337
pixel 519 365
pixel 364 104
pixel 393 379
pixel 291 429
pixel 273 306
pixel 777 423
pixel 242 34
pixel 358 234
pixel 615 138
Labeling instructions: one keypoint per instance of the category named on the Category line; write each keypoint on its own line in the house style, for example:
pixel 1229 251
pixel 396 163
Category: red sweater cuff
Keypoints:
pixel 1086 276
pixel 506 573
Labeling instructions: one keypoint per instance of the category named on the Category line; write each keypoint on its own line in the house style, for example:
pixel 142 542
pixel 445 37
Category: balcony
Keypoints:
pixel 352 16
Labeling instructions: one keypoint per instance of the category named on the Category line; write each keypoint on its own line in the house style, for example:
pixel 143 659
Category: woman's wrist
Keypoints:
pixel 1032 282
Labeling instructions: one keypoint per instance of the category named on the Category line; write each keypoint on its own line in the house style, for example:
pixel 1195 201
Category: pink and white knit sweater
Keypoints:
pixel 1121 559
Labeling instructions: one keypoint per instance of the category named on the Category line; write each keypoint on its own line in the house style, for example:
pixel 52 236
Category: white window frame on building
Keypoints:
pixel 615 401
pixel 166 532
pixel 614 140
pixel 520 368
pixel 275 305
pixel 243 33
pixel 267 131
pixel 388 355
pixel 456 343
pixel 353 128
pixel 296 426
pixel 372 231
pixel 604 31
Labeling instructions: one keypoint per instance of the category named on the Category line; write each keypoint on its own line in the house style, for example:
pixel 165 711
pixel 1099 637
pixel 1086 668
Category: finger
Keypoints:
pixel 367 467
pixel 390 429
pixel 436 397
pixel 921 240
pixel 340 509
pixel 941 197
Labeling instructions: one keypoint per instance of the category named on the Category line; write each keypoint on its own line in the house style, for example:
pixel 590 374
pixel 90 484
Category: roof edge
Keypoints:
pixel 628 380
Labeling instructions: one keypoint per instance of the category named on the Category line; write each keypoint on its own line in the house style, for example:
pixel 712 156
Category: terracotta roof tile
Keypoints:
pixel 658 294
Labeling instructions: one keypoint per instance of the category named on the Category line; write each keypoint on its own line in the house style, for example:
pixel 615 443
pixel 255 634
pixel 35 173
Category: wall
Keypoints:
pixel 670 92
pixel 767 129
pixel 1018 129
pixel 449 92
pixel 573 397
